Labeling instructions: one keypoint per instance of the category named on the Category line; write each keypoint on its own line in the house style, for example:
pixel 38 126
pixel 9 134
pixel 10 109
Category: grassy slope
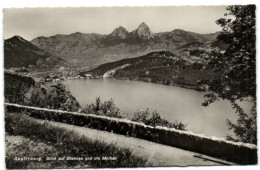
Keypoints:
pixel 63 143
pixel 20 146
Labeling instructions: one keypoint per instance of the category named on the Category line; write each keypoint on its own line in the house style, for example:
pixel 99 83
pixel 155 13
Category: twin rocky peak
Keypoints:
pixel 143 31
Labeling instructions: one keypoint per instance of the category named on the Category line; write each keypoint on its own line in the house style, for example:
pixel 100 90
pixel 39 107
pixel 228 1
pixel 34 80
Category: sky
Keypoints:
pixel 30 23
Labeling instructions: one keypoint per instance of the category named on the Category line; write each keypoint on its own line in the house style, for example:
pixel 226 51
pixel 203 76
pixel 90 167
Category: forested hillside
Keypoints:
pixel 158 67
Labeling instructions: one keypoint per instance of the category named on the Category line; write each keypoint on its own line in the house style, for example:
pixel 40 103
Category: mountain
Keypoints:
pixel 19 52
pixel 119 32
pixel 119 35
pixel 178 38
pixel 143 32
pixel 61 45
pixel 91 50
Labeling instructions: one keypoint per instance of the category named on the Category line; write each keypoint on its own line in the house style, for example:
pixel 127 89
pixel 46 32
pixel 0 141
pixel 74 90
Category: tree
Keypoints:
pixel 237 66
pixel 53 97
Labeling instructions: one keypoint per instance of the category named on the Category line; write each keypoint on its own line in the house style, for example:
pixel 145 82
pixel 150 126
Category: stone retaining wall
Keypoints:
pixel 237 152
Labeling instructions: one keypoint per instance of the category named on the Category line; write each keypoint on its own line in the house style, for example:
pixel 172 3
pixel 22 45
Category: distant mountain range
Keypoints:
pixel 19 52
pixel 96 49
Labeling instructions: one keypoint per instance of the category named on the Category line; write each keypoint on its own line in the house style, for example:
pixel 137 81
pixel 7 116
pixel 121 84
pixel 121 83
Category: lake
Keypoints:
pixel 173 103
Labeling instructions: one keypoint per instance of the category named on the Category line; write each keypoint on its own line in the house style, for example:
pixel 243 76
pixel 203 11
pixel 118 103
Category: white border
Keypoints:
pixel 78 3
pixel 98 3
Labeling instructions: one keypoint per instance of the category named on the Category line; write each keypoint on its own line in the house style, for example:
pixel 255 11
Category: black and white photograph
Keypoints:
pixel 129 86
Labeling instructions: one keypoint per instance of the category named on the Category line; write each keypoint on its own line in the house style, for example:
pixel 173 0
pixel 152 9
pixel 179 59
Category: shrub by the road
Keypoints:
pixel 154 119
pixel 108 108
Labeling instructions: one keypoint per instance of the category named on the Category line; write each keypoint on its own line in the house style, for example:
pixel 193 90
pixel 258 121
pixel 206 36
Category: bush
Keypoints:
pixel 106 108
pixel 141 116
pixel 23 90
pixel 54 97
pixel 156 120
pixel 15 87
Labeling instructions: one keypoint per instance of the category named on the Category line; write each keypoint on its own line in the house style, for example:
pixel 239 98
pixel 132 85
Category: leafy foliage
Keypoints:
pixel 238 63
pixel 245 129
pixel 54 97
pixel 155 119
pixel 238 67
pixel 106 108
pixel 24 90
pixel 15 87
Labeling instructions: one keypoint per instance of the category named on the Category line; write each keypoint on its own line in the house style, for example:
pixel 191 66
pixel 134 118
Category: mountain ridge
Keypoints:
pixel 90 49
pixel 19 52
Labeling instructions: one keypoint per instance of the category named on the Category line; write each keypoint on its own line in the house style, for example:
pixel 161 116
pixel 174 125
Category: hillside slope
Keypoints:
pixel 19 52
pixel 161 67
